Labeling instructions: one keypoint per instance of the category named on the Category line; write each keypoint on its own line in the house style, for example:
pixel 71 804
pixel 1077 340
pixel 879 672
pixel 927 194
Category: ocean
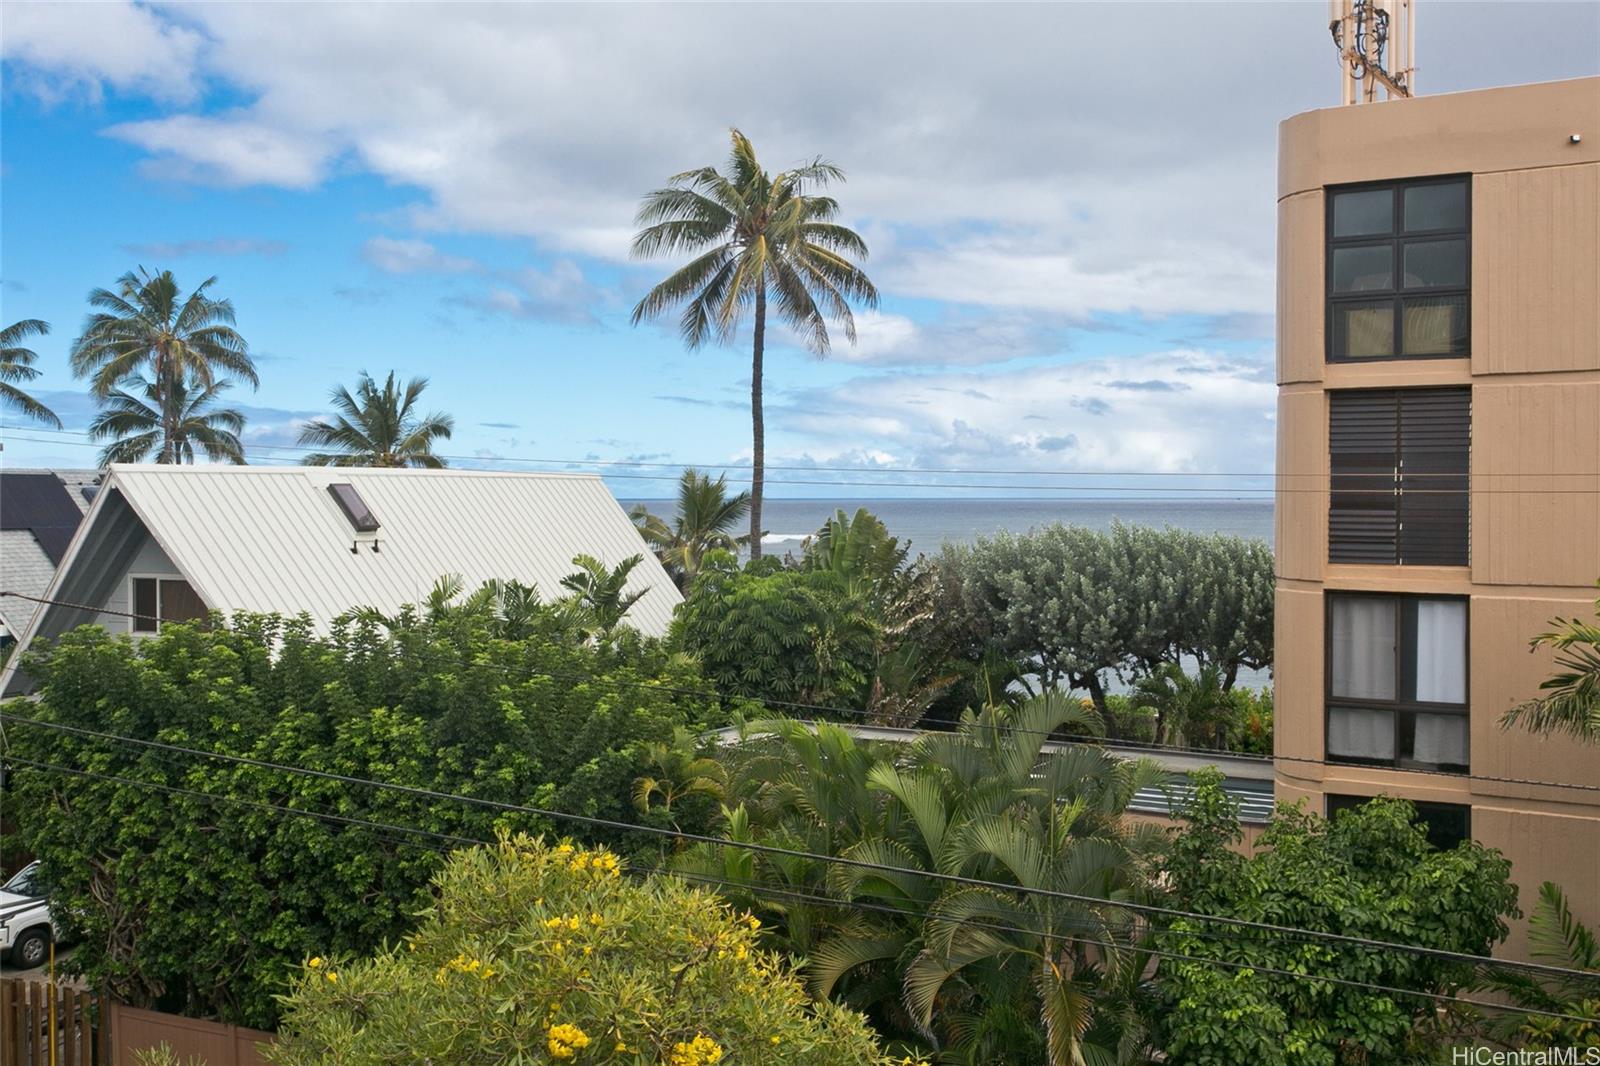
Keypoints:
pixel 929 523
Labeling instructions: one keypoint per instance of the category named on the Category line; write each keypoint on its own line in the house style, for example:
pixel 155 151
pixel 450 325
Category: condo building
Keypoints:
pixel 1438 497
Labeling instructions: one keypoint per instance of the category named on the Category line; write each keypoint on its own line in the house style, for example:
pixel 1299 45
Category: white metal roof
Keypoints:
pixel 273 539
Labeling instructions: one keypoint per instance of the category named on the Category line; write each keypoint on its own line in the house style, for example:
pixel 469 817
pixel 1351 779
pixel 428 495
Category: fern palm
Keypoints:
pixel 706 515
pixel 378 427
pixel 16 365
pixel 754 237
pixel 1571 700
pixel 145 420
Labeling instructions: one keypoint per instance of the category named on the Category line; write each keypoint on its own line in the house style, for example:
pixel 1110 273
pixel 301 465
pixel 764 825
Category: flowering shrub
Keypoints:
pixel 549 954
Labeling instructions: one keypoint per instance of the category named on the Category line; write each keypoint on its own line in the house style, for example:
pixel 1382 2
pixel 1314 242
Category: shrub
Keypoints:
pixel 538 954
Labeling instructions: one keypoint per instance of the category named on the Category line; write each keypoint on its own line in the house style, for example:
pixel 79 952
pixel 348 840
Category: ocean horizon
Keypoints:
pixel 929 523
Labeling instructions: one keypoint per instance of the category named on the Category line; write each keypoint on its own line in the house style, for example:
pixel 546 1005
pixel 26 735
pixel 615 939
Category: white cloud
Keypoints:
pixel 951 339
pixel 227 150
pixel 395 256
pixel 559 293
pixel 64 49
pixel 1080 416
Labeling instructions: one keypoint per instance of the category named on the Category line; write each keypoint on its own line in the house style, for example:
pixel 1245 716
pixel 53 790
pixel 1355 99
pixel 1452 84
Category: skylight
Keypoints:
pixel 354 507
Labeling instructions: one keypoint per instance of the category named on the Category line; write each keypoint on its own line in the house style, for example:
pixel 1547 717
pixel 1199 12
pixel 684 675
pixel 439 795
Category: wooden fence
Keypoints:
pixel 33 1015
pixel 93 1030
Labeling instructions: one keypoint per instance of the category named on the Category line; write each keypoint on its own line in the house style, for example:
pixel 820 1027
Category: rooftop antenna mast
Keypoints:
pixel 1377 41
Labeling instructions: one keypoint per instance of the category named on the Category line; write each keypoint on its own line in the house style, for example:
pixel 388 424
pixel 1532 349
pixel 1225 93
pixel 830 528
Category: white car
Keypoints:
pixel 25 930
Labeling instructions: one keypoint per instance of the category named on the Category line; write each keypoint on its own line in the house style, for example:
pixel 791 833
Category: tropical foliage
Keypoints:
pixel 292 865
pixel 531 953
pixel 1556 938
pixel 1570 702
pixel 16 366
pixel 754 237
pixel 1368 873
pixel 705 517
pixel 986 974
pixel 378 427
pixel 168 423
pixel 1080 605
pixel 601 592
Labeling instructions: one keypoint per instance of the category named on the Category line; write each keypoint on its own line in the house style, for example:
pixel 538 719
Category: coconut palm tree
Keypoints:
pixel 754 237
pixel 143 419
pixel 16 364
pixel 378 427
pixel 706 514
pixel 1571 698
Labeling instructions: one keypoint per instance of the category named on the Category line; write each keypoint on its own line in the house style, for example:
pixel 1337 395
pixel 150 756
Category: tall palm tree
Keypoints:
pixel 754 236
pixel 144 419
pixel 1571 698
pixel 16 364
pixel 706 513
pixel 378 427
pixel 175 343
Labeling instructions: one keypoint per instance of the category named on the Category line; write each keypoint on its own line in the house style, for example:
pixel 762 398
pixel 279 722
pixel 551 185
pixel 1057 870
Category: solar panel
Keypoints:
pixel 354 507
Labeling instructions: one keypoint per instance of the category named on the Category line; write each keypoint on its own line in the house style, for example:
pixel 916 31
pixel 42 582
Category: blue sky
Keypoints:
pixel 1070 209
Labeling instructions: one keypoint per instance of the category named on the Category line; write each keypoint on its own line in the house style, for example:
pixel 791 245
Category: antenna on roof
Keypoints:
pixel 1377 42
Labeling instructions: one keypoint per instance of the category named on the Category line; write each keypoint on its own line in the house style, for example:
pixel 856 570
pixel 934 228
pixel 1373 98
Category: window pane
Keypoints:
pixel 1363 330
pixel 1448 824
pixel 1435 325
pixel 1358 733
pixel 1440 654
pixel 1362 269
pixel 1436 739
pixel 1431 264
pixel 144 605
pixel 179 603
pixel 1368 211
pixel 1361 643
pixel 1430 207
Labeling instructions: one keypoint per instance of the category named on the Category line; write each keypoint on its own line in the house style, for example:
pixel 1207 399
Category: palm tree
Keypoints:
pixel 705 515
pixel 16 364
pixel 145 328
pixel 1571 700
pixel 602 591
pixel 144 419
pixel 378 427
pixel 754 236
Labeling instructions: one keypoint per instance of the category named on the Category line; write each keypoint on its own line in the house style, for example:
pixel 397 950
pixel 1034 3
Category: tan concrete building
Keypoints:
pixel 1439 461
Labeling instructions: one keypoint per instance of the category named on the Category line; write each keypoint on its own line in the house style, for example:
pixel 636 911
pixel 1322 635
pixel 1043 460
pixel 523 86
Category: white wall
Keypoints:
pixel 148 561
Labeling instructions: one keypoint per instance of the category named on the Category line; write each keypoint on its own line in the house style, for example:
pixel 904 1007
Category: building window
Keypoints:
pixel 1399 282
pixel 1400 465
pixel 1397 680
pixel 1447 824
pixel 157 600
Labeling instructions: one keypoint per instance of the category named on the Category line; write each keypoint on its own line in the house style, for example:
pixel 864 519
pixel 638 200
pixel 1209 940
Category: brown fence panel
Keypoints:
pixel 34 1013
pixel 215 1043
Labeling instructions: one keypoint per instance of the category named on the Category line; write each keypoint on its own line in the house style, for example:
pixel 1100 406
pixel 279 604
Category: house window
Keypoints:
pixel 1397 680
pixel 1447 824
pixel 1399 282
pixel 1400 466
pixel 157 600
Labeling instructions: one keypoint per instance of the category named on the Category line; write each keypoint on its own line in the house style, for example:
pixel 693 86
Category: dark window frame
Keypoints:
pixel 1397 707
pixel 1334 802
pixel 143 622
pixel 1397 239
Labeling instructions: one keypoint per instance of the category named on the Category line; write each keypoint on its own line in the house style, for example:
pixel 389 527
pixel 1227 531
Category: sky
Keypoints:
pixel 1070 210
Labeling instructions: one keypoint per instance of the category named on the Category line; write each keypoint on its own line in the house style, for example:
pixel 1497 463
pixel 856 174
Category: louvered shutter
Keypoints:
pixel 1435 452
pixel 1364 455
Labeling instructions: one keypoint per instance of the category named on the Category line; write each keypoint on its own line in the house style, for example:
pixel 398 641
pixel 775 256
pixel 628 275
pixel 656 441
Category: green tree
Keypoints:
pixel 859 549
pixel 531 953
pixel 1556 938
pixel 16 365
pixel 768 632
pixel 754 237
pixel 147 328
pixel 378 427
pixel 602 591
pixel 203 900
pixel 993 975
pixel 1189 710
pixel 1368 873
pixel 1571 700
pixel 703 523
pixel 142 419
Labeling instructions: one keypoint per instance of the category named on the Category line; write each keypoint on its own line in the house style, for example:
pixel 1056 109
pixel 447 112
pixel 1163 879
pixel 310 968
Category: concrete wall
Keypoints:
pixel 1534 371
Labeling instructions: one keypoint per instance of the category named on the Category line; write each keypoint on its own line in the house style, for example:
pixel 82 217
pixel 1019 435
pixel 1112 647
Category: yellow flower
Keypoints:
pixel 596 919
pixel 753 922
pixel 701 1051
pixel 621 1047
pixel 316 961
pixel 777 1040
pixel 565 1040
pixel 332 976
